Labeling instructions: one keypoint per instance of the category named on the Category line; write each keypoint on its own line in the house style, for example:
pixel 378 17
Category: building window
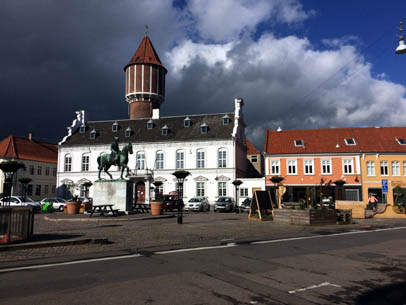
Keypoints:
pixel 85 163
pixel 395 168
pixel 326 167
pixel 204 128
pixel 68 163
pixel 292 167
pixel 92 135
pixel 244 192
pixel 141 160
pixel 82 128
pixel 54 172
pixel 29 190
pixel 200 160
pixel 38 190
pixel 222 189
pixel 46 189
pixel 226 120
pixel 254 158
pixel 275 167
pixel 159 160
pixel 348 166
pixel 299 143
pixel 401 141
pixel 370 168
pixel 165 130
pixel 200 189
pixel 53 189
pixel 222 158
pixel 150 124
pixel 46 171
pixel 114 128
pixel 31 169
pixel 39 170
pixel 186 122
pixel 384 168
pixel 308 167
pixel 128 132
pixel 349 141
pixel 180 159
pixel 404 168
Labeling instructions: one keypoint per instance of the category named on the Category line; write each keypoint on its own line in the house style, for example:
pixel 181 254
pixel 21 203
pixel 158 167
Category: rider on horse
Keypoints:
pixel 115 152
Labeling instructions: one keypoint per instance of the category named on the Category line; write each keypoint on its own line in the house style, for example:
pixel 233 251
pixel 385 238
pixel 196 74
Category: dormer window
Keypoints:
pixel 165 130
pixel 226 120
pixel 93 134
pixel 401 141
pixel 82 128
pixel 299 143
pixel 187 122
pixel 150 124
pixel 128 132
pixel 204 128
pixel 115 126
pixel 350 141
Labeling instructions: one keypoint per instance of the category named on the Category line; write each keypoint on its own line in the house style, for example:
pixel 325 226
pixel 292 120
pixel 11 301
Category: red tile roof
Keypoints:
pixel 251 149
pixel 22 148
pixel 145 54
pixel 367 140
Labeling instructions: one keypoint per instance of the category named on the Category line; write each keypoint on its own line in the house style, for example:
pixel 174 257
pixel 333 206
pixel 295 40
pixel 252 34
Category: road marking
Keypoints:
pixel 228 245
pixel 314 286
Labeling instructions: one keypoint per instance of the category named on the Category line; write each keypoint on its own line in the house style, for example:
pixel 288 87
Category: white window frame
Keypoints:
pixel 222 188
pixel 85 162
pixel 114 127
pixel 326 164
pixel 222 158
pixel 200 189
pixel 68 163
pixel 291 163
pixel 349 144
pixel 180 159
pixel 254 157
pixel 395 168
pixel 275 167
pixel 384 165
pixel 200 158
pixel 308 166
pixel 140 160
pixel 186 122
pixel 244 192
pixel 296 143
pixel 160 161
pixel 348 166
pixel 371 168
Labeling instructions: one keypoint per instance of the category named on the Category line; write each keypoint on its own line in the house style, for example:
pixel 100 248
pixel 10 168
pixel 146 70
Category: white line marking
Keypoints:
pixel 313 287
pixel 228 245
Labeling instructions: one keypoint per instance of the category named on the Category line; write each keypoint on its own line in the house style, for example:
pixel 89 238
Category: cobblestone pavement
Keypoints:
pixel 128 233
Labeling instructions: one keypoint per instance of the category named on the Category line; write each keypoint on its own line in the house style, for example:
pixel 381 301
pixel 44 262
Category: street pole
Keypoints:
pixel 236 183
pixel 180 176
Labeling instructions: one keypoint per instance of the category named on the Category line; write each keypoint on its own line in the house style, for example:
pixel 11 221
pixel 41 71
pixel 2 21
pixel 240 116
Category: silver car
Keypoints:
pixel 20 201
pixel 224 204
pixel 57 203
pixel 198 204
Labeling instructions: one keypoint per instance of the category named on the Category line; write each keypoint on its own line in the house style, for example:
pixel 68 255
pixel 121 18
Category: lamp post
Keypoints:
pixel 401 49
pixel 24 181
pixel 180 176
pixel 157 184
pixel 236 183
pixel 9 168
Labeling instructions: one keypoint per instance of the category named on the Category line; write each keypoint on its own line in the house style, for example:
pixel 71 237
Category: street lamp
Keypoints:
pixel 236 183
pixel 157 184
pixel 401 49
pixel 9 168
pixel 180 176
pixel 24 181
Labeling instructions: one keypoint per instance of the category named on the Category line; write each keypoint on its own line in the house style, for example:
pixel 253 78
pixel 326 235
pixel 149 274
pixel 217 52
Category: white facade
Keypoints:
pixel 248 186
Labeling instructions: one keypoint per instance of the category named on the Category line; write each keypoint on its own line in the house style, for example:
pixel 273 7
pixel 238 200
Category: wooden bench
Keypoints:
pixel 142 208
pixel 103 209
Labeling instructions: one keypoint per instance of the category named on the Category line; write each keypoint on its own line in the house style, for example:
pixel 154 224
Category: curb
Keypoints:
pixel 97 219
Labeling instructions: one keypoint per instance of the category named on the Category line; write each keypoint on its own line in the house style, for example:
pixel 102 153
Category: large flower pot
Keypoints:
pixel 157 208
pixel 73 207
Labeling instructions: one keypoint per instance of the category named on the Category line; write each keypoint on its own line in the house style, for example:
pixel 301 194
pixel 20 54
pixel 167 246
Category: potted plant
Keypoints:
pixel 73 206
pixel 157 205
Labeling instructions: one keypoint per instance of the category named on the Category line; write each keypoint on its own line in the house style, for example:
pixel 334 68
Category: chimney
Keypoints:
pixel 30 136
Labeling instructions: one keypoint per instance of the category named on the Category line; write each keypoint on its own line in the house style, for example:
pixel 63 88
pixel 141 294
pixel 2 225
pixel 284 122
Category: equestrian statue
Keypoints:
pixel 116 157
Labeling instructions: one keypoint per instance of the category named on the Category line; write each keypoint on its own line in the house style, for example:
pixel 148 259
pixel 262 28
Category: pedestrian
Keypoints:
pixel 373 201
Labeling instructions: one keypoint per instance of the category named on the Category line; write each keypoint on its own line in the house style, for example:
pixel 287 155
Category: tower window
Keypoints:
pixel 115 127
pixel 93 134
pixel 128 132
pixel 150 124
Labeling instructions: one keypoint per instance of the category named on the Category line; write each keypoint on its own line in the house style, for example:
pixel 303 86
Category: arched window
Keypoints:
pixel 85 162
pixel 180 159
pixel 222 158
pixel 140 160
pixel 68 163
pixel 159 160
pixel 200 158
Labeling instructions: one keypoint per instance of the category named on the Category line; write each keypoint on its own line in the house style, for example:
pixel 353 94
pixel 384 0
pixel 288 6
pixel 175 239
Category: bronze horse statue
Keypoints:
pixel 105 161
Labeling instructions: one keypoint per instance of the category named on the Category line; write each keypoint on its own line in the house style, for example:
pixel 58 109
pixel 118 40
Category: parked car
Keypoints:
pixel 171 202
pixel 245 205
pixel 198 204
pixel 21 201
pixel 57 202
pixel 224 204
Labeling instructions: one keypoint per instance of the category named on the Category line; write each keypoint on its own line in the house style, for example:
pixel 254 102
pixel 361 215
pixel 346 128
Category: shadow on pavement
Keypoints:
pixel 394 294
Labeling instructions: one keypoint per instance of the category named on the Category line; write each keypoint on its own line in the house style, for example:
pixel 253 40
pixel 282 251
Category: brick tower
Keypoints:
pixel 145 82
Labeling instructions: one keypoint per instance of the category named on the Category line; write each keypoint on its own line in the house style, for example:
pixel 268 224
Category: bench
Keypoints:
pixel 142 208
pixel 103 209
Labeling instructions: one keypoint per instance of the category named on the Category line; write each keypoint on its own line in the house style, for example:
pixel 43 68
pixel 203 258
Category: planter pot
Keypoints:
pixel 73 207
pixel 157 207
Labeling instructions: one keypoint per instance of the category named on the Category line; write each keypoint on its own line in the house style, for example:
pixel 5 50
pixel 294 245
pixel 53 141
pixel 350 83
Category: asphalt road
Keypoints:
pixel 350 268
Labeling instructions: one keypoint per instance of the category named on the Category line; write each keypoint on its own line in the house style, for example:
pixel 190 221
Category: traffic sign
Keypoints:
pixel 384 186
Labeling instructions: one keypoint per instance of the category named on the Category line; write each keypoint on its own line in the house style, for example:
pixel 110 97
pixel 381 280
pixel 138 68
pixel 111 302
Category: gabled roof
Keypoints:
pixel 251 149
pixel 25 149
pixel 141 134
pixel 332 140
pixel 145 54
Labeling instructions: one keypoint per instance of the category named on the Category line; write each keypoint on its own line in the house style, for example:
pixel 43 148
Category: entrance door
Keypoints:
pixel 140 191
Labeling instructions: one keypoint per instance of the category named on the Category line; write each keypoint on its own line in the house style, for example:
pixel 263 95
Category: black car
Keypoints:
pixel 171 202
pixel 245 205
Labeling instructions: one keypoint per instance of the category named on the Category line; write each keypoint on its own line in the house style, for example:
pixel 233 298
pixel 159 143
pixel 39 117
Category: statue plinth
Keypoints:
pixel 117 192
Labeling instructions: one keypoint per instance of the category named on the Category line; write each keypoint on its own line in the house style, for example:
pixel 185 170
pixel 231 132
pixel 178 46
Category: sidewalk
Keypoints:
pixel 62 238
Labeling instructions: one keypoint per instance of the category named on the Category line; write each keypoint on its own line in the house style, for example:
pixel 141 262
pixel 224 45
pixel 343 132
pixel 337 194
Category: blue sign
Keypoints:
pixel 384 186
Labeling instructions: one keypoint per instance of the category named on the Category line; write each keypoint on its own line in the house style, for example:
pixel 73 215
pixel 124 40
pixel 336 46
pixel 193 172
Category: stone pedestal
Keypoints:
pixel 116 192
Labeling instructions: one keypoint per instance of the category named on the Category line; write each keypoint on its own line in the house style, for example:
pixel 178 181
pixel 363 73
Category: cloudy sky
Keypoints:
pixel 297 64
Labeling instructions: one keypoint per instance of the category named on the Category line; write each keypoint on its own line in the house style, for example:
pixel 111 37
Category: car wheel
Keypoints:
pixel 60 209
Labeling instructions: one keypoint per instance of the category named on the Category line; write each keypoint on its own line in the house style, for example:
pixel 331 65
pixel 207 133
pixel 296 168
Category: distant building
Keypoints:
pixel 256 161
pixel 40 160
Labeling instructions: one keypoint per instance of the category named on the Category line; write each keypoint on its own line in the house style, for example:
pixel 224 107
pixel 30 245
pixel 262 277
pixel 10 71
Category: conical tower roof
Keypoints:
pixel 145 54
